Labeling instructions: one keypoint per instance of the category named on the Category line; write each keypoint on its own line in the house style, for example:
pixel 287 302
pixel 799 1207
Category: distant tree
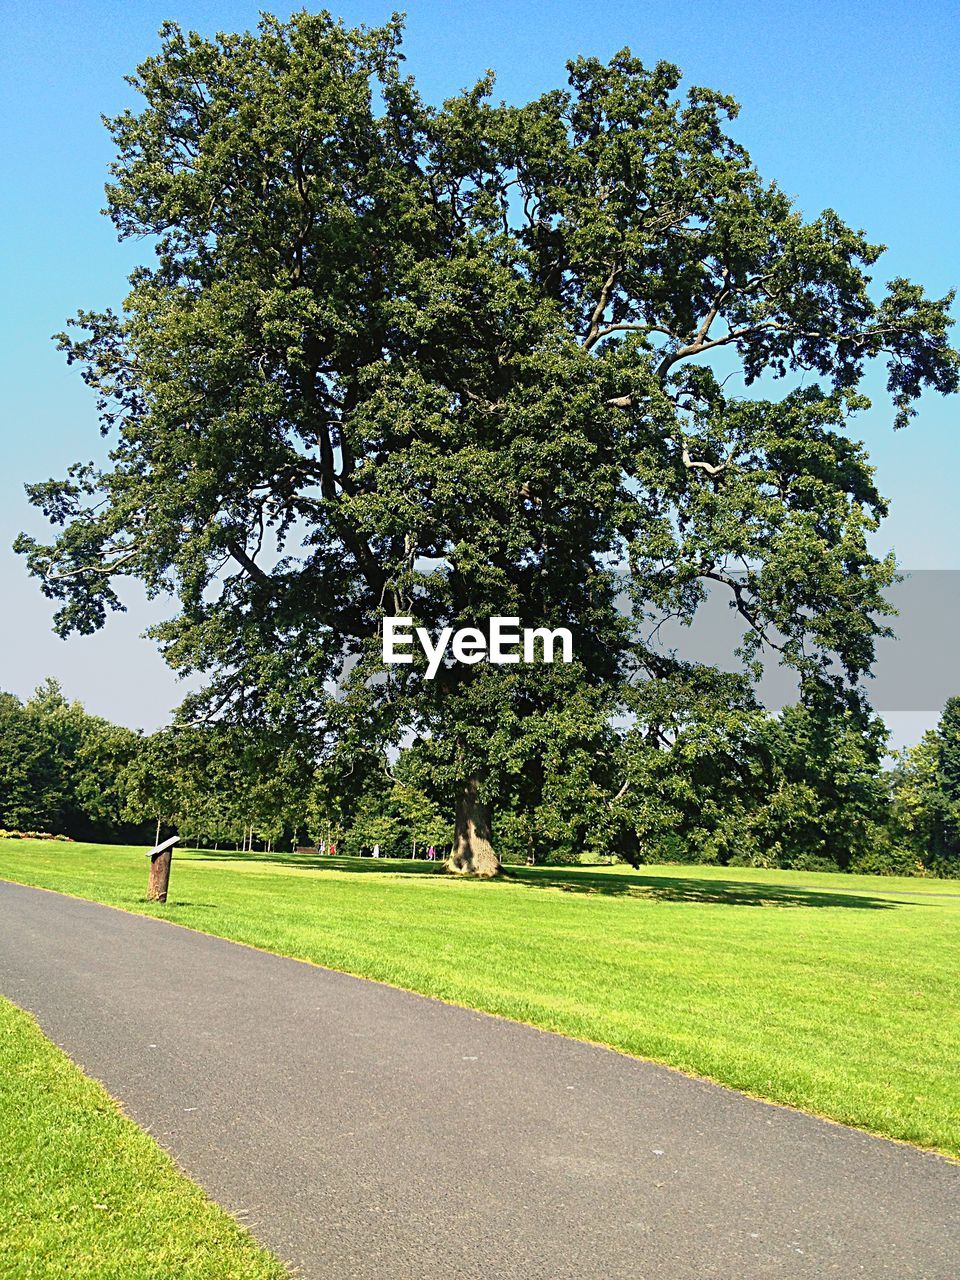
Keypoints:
pixel 389 811
pixel 824 796
pixel 60 729
pixel 915 796
pixel 693 766
pixel 30 796
pixel 420 818
pixel 153 783
pixel 103 756
pixel 925 788
pixel 373 825
pixel 717 779
pixel 217 783
pixel 469 361
pixel 61 769
pixel 945 850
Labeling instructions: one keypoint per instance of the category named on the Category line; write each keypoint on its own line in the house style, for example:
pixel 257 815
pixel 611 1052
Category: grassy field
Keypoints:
pixel 836 994
pixel 84 1193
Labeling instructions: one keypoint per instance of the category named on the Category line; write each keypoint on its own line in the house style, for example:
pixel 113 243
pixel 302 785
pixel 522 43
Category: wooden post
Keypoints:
pixel 160 858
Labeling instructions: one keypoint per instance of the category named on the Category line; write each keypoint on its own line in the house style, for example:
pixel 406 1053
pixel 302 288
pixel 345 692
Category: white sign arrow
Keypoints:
pixel 162 848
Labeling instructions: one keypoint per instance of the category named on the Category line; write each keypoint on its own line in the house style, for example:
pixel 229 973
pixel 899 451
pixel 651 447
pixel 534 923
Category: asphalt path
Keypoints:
pixel 362 1131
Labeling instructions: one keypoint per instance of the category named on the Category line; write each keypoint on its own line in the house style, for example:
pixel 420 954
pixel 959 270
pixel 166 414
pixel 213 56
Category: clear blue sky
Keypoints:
pixel 850 105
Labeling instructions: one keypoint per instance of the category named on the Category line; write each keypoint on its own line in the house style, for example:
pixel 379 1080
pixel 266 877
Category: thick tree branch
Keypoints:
pixel 593 330
pixel 620 794
pixel 712 469
pixel 246 562
pixel 742 607
pixel 722 294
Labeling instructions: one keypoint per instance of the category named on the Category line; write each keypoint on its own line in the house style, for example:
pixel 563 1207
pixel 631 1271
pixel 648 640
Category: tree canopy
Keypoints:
pixel 472 360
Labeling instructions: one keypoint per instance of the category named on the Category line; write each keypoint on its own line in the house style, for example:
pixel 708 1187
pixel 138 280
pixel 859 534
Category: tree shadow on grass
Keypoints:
pixel 321 862
pixel 194 906
pixel 731 893
pixel 660 888
pixel 160 907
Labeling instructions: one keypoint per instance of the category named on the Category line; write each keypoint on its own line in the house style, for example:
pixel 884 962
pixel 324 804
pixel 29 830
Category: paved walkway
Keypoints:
pixel 366 1132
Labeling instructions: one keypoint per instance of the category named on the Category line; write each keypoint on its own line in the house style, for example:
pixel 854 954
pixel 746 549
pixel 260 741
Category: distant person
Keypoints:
pixel 431 853
pixel 332 850
pixel 376 851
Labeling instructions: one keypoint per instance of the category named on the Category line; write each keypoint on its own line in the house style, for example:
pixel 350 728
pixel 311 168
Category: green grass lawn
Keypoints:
pixel 836 994
pixel 84 1193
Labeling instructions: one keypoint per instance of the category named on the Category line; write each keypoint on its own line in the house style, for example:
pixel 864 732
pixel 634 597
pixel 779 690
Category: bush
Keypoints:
pixel 888 861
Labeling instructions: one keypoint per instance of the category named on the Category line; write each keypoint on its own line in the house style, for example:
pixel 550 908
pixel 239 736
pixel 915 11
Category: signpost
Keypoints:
pixel 160 858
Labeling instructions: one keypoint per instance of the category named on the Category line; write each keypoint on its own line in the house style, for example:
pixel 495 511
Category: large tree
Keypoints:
pixel 474 360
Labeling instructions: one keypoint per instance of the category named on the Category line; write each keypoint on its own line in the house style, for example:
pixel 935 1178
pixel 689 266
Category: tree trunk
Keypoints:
pixel 472 853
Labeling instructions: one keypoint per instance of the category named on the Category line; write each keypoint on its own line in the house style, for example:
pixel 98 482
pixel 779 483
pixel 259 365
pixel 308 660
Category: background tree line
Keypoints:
pixel 70 773
pixel 719 780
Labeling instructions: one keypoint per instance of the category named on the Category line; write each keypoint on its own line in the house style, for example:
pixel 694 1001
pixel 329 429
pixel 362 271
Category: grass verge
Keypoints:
pixel 836 994
pixel 84 1193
